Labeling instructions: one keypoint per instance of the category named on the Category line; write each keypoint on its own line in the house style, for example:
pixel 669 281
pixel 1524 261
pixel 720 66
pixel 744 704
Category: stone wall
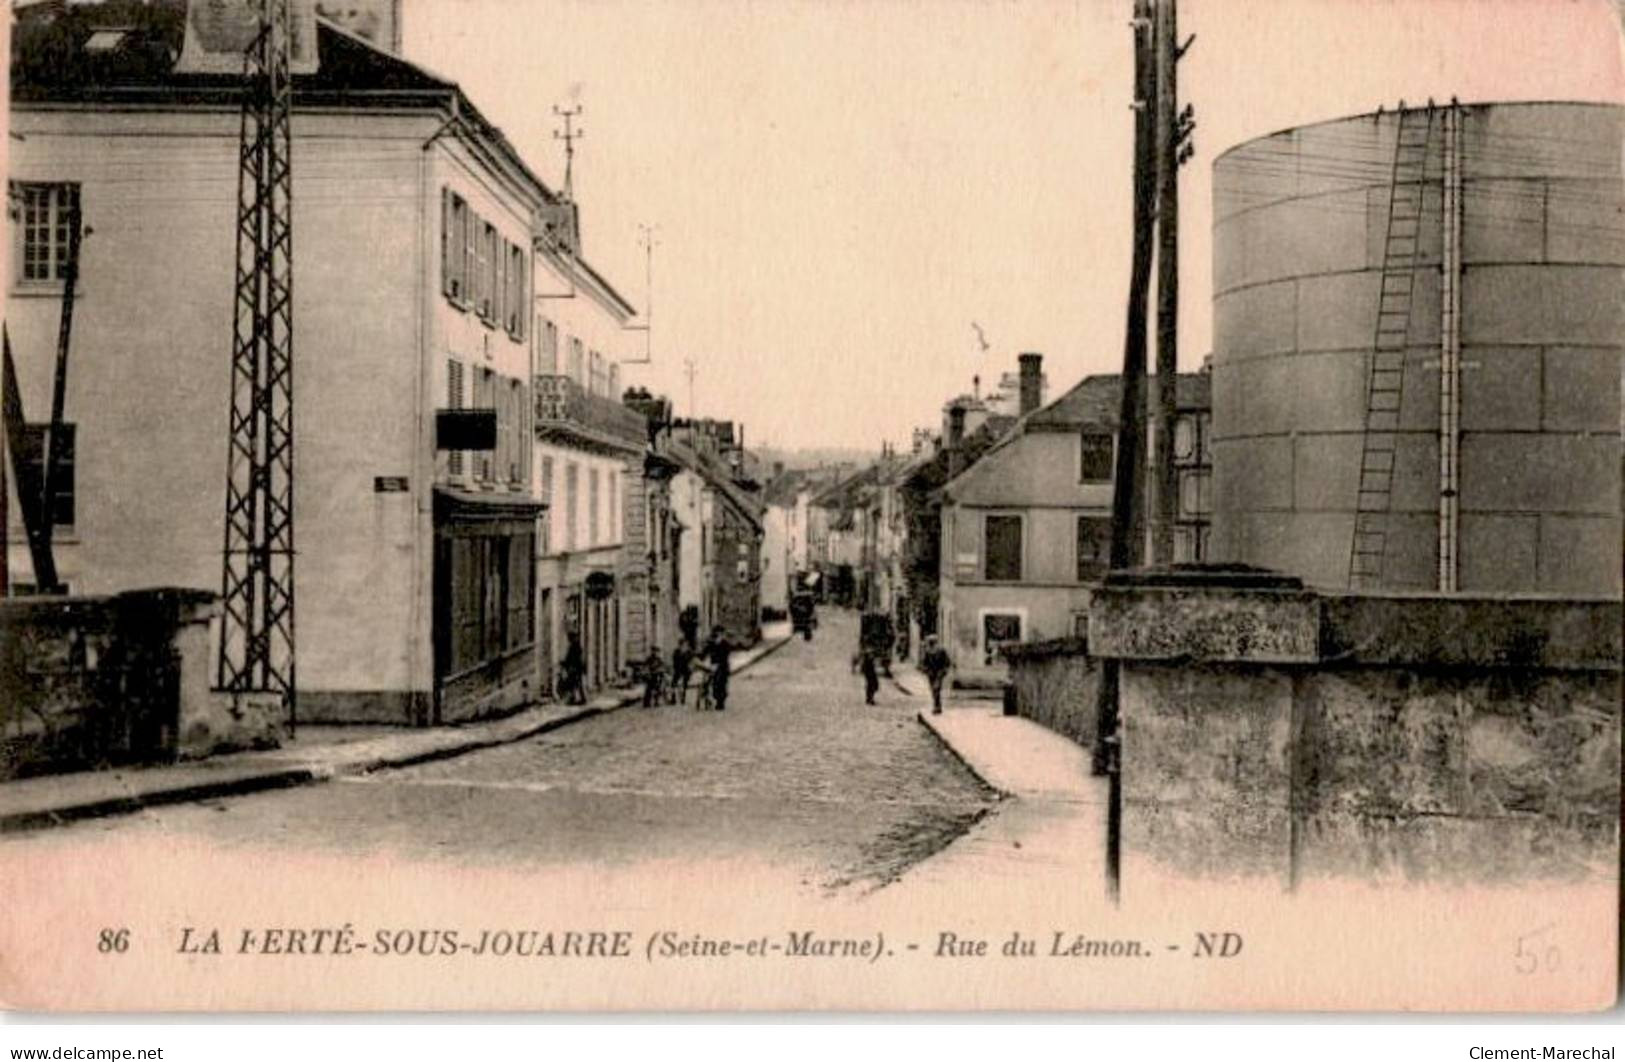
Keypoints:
pixel 88 682
pixel 1055 685
pixel 1288 735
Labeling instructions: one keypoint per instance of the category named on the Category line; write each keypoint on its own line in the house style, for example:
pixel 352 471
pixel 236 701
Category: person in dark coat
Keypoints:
pixel 654 677
pixel 871 675
pixel 572 669
pixel 682 666
pixel 936 664
pixel 717 652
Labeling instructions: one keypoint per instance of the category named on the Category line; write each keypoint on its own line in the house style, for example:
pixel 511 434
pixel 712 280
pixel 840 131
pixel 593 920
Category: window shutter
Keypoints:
pixel 470 270
pixel 454 400
pixel 499 247
pixel 446 244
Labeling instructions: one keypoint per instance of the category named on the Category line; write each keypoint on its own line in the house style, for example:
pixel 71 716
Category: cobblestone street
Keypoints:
pixel 798 775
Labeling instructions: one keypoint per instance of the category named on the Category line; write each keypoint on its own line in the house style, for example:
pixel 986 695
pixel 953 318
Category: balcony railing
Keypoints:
pixel 565 407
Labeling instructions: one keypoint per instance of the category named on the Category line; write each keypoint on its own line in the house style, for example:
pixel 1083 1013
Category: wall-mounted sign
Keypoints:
pixel 599 585
pixel 465 429
pixel 391 484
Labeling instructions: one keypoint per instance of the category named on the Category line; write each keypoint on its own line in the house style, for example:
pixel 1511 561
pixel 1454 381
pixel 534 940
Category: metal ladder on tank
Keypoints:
pixel 1385 382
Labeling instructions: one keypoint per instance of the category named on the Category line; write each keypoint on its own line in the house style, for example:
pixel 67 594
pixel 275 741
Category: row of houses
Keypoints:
pixel 435 273
pixel 993 529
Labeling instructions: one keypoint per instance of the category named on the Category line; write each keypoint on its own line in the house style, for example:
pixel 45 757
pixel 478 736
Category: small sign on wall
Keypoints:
pixel 391 484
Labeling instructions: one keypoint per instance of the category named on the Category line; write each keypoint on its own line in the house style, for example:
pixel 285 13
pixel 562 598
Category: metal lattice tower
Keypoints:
pixel 257 636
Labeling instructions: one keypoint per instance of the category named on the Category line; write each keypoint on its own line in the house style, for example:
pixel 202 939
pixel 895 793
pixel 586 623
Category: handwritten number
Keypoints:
pixel 1528 958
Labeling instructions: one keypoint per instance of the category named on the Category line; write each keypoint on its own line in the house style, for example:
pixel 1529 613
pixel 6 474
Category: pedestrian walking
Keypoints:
pixel 572 672
pixel 936 664
pixel 871 675
pixel 654 678
pixel 717 652
pixel 682 666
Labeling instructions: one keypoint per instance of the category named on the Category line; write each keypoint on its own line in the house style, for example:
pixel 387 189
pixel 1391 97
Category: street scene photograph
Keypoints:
pixel 901 505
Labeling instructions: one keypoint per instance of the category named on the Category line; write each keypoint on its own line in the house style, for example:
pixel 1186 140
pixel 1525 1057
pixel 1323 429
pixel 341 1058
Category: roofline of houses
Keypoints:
pixel 446 98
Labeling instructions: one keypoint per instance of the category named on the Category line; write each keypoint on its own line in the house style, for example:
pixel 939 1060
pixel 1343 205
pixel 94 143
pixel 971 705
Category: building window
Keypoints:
pixel 454 247
pixel 546 544
pixel 1001 549
pixel 1094 546
pixel 549 333
pixel 614 507
pixel 571 490
pixel 578 367
pixel 1080 625
pixel 484 398
pixel 488 262
pixel 592 508
pixel 998 629
pixel 32 459
pixel 1185 439
pixel 519 444
pixel 47 215
pixel 1095 458
pixel 454 400
pixel 517 303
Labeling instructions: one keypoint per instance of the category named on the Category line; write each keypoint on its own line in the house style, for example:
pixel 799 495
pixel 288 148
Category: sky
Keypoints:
pixel 840 188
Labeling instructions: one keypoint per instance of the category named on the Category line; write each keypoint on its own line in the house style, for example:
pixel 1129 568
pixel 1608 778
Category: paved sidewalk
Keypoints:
pixel 317 754
pixel 1049 834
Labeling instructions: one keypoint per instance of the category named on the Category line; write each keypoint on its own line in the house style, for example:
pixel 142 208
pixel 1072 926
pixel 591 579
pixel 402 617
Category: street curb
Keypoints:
pixel 282 778
pixel 310 773
pixel 924 719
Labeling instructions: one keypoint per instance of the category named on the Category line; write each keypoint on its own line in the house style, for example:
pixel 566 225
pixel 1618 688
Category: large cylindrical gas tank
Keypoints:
pixel 1300 241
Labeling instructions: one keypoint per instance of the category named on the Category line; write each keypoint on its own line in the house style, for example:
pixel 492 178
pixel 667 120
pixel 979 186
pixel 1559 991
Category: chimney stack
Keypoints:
pixel 956 438
pixel 1032 382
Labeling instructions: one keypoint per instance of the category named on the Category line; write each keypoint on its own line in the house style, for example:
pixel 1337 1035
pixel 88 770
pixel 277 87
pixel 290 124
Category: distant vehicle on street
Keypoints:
pixel 803 615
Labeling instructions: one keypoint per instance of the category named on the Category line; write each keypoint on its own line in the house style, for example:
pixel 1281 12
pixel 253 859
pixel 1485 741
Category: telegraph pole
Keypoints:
pixel 689 370
pixel 1165 478
pixel 1126 501
pixel 570 135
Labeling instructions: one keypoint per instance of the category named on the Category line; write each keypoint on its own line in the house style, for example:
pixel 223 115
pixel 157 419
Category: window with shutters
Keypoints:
pixel 545 544
pixel 471 266
pixel 519 445
pixel 487 291
pixel 499 279
pixel 571 489
pixel 614 506
pixel 518 305
pixel 45 213
pixel 454 247
pixel 578 363
pixel 1094 546
pixel 592 508
pixel 454 400
pixel 1095 457
pixel 1001 545
pixel 548 334
pixel 483 400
